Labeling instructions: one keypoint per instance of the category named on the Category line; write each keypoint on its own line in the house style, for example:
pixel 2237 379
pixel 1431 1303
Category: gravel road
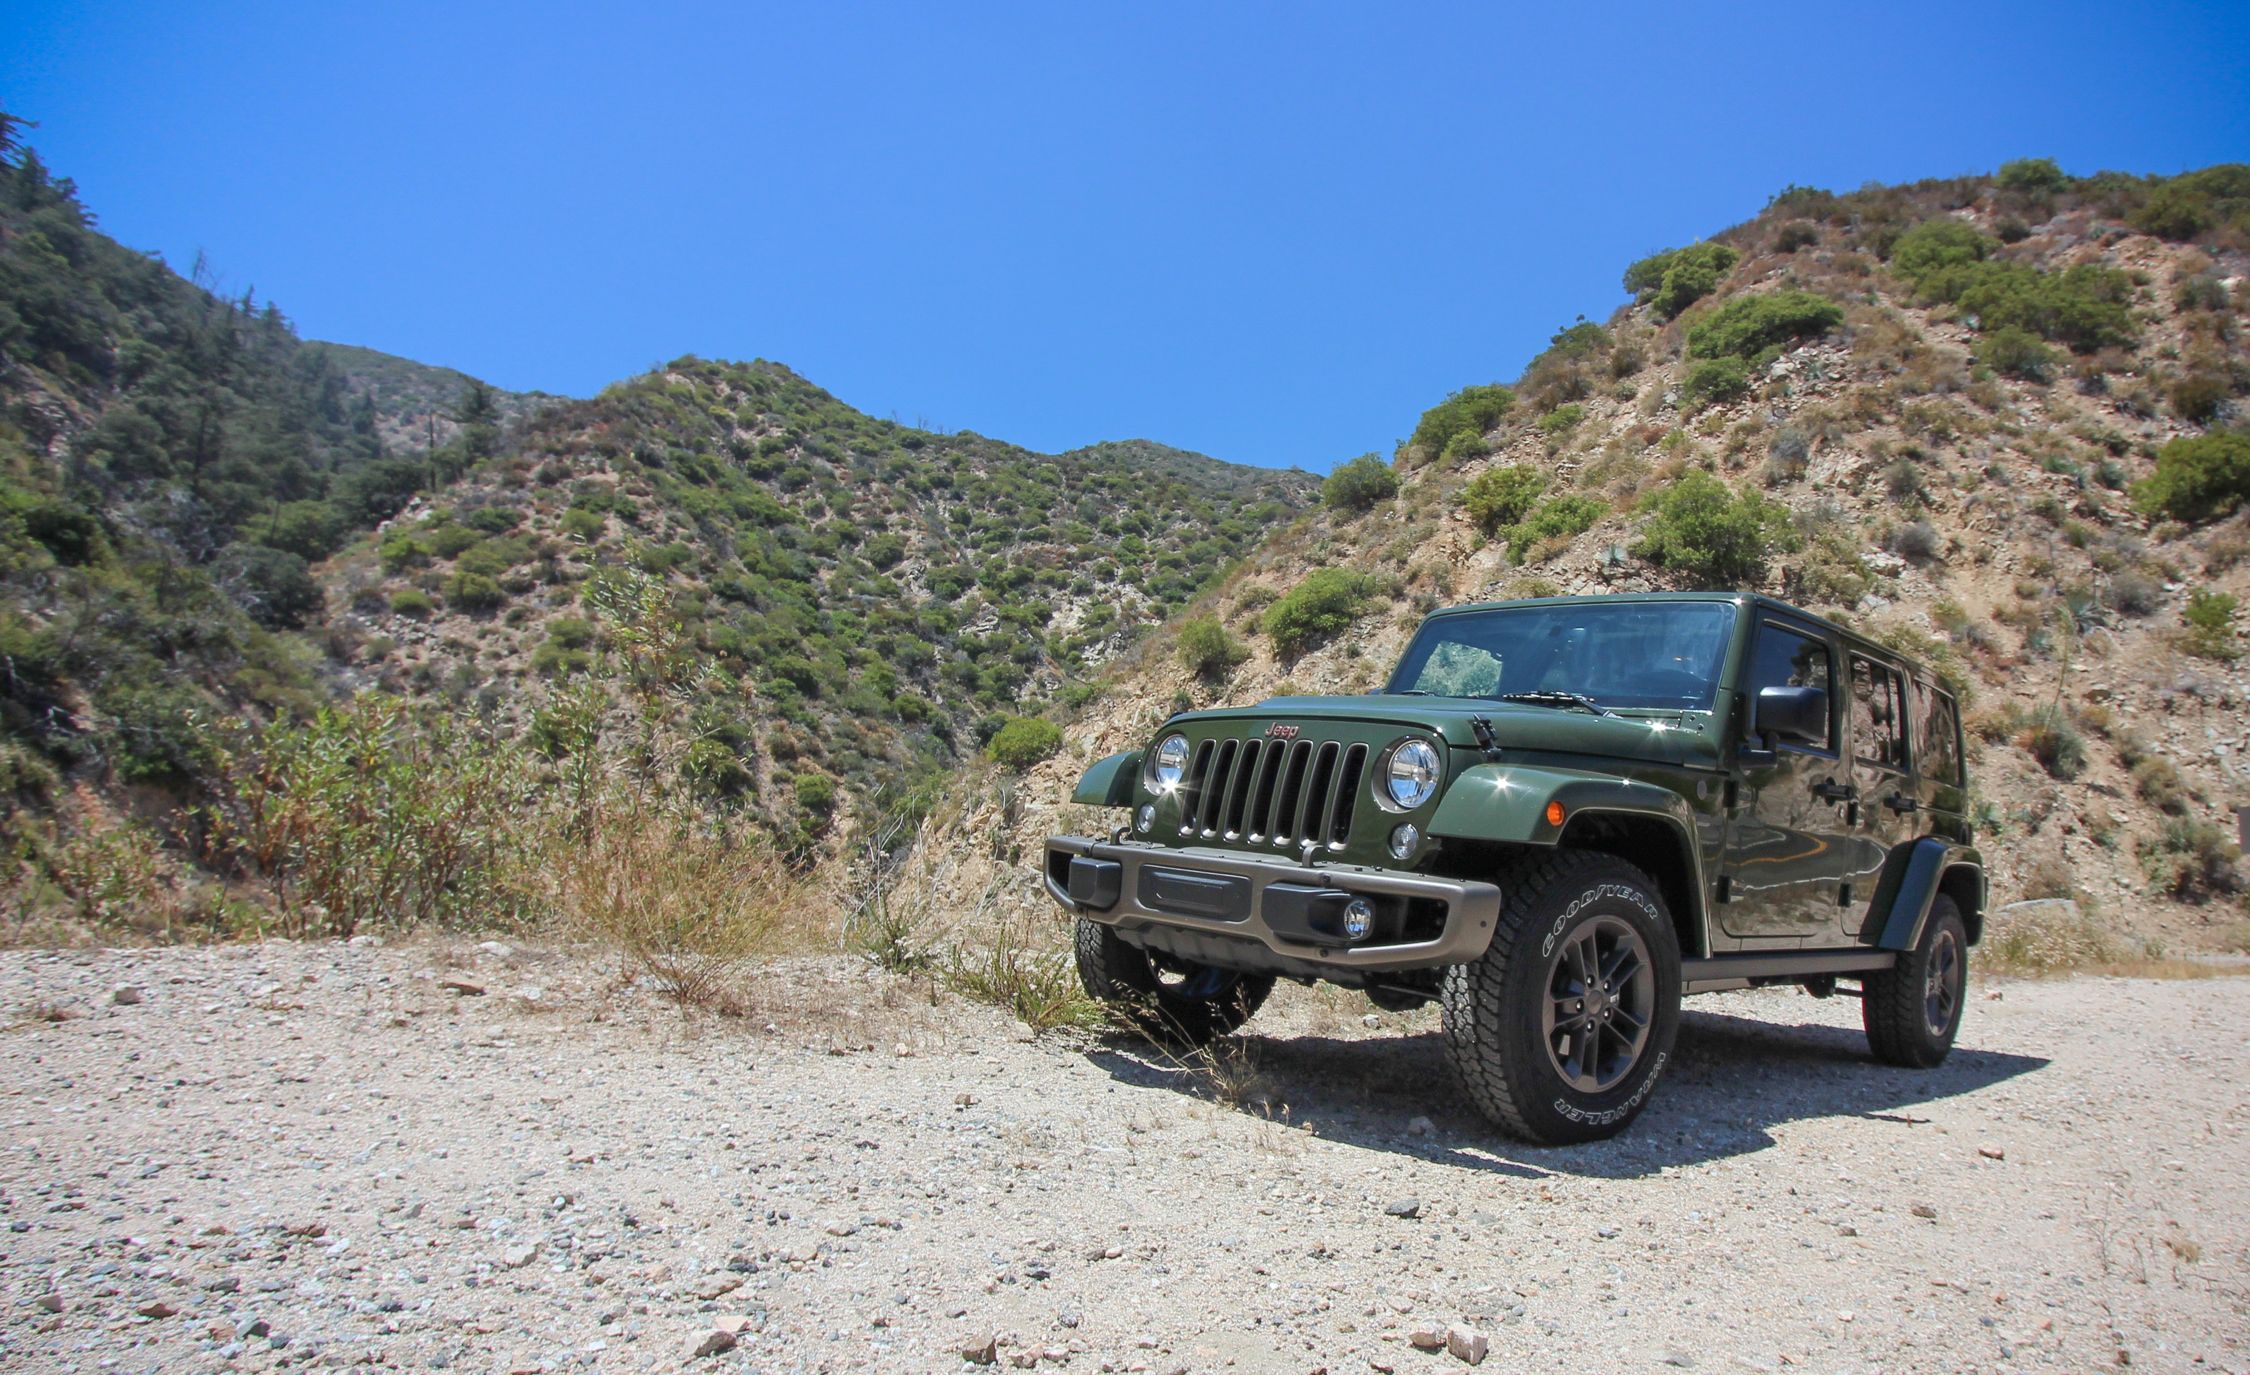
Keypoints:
pixel 288 1155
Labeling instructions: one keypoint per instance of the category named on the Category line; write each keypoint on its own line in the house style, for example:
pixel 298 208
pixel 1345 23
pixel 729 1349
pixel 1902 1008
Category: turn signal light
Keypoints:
pixel 1554 813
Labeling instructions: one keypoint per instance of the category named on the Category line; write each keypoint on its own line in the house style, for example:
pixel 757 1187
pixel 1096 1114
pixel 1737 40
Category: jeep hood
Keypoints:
pixel 1670 737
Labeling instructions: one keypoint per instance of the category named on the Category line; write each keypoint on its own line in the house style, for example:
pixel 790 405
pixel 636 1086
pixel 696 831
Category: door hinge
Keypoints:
pixel 1723 890
pixel 1843 895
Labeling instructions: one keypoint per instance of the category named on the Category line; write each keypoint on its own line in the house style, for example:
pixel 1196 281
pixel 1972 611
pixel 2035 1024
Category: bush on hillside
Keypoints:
pixel 1748 325
pixel 2174 211
pixel 2198 478
pixel 272 586
pixel 1935 245
pixel 1469 412
pixel 2035 176
pixel 1359 484
pixel 2209 617
pixel 2198 397
pixel 1553 522
pixel 1025 741
pixel 1713 382
pixel 2017 352
pixel 1326 602
pixel 1676 279
pixel 411 602
pixel 474 592
pixel 1501 496
pixel 1207 648
pixel 1720 537
pixel 1561 419
pixel 1794 236
pixel 2082 307
pixel 2051 738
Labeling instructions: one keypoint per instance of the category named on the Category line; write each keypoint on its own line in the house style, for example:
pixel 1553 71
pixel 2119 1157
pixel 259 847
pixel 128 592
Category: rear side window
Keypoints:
pixel 1878 715
pixel 1937 735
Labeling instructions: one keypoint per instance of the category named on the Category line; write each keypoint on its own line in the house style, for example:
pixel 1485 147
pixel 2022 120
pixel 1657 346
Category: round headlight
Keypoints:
pixel 1412 775
pixel 1170 762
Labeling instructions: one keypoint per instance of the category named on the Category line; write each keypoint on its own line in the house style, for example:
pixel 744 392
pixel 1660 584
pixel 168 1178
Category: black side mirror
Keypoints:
pixel 1795 715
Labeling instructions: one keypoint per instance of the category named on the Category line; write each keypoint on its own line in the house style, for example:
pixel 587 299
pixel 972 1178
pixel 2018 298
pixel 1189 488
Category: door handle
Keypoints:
pixel 1834 792
pixel 1900 802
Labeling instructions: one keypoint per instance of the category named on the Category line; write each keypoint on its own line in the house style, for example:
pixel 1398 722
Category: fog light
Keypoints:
pixel 1403 840
pixel 1359 919
pixel 1147 817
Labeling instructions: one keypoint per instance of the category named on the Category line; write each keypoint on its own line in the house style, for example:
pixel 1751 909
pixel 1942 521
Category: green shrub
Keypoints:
pixel 1326 602
pixel 2050 736
pixel 2174 211
pixel 1025 741
pixel 1721 537
pixel 2017 352
pixel 2082 307
pixel 1501 496
pixel 1794 236
pixel 2210 621
pixel 2036 176
pixel 2197 397
pixel 375 812
pixel 156 732
pixel 1466 445
pixel 1713 382
pixel 1936 245
pixel 272 586
pixel 1359 484
pixel 1676 279
pixel 1558 519
pixel 2198 478
pixel 1208 648
pixel 571 632
pixel 474 592
pixel 1561 419
pixel 2192 859
pixel 411 601
pixel 1469 411
pixel 885 551
pixel 1749 324
pixel 815 793
pixel 581 524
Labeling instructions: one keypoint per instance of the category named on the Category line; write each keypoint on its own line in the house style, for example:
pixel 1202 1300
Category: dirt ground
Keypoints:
pixel 317 1155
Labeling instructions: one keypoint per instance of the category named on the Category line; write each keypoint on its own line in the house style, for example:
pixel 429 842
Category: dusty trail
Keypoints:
pixel 315 1156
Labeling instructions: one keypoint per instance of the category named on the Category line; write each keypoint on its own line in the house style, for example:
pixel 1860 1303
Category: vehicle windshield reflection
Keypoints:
pixel 1662 656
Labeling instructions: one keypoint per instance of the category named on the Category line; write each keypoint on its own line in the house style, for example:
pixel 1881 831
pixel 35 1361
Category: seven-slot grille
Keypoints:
pixel 1280 792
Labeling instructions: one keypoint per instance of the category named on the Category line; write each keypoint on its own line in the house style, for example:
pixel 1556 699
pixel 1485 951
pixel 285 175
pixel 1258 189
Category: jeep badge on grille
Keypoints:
pixel 1279 731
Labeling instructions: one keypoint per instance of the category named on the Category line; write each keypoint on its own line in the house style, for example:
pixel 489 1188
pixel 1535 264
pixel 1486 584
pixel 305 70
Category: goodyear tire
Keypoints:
pixel 1174 1002
pixel 1913 1009
pixel 1560 1032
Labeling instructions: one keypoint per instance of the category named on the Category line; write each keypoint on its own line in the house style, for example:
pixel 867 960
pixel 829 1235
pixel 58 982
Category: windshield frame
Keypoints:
pixel 1446 627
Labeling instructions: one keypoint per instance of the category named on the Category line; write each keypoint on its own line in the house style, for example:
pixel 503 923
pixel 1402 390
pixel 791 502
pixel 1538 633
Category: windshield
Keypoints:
pixel 1661 655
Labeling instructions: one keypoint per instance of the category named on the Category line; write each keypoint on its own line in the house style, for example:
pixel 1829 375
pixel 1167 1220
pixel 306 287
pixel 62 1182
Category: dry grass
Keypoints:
pixel 2056 940
pixel 1019 973
pixel 688 907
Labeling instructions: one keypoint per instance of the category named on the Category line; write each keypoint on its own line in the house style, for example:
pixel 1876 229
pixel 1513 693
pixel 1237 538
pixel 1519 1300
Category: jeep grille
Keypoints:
pixel 1279 792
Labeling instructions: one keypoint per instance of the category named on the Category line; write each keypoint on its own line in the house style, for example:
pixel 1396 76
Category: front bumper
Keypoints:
pixel 1288 908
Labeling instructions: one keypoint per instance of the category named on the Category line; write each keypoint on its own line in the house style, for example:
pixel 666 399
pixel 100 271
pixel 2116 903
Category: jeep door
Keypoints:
pixel 1887 795
pixel 1790 842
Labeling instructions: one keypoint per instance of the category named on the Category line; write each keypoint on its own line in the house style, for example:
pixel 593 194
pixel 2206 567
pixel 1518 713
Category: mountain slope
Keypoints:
pixel 1932 411
pixel 866 602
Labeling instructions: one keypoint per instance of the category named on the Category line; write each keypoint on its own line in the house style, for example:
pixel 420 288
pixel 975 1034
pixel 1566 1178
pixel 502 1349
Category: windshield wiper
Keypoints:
pixel 1547 697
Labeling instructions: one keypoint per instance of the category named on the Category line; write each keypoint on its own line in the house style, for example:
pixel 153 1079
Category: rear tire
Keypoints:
pixel 1560 1032
pixel 1175 1002
pixel 1913 1009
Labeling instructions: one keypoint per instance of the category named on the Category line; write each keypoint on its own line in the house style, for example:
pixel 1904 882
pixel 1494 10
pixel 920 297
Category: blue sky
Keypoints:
pixel 1273 233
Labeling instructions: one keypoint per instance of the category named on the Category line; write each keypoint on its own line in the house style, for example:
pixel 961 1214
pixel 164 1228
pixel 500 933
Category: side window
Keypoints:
pixel 1937 735
pixel 1878 715
pixel 1784 658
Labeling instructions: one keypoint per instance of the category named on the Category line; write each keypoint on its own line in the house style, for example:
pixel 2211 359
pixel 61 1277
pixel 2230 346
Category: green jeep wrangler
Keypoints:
pixel 1560 816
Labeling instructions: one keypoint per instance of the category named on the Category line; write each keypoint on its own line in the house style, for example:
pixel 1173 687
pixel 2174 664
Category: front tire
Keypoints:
pixel 1560 1032
pixel 1913 1009
pixel 1175 1002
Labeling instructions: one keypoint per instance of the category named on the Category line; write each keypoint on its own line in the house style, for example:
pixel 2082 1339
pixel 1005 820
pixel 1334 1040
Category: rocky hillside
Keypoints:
pixel 863 603
pixel 1987 418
